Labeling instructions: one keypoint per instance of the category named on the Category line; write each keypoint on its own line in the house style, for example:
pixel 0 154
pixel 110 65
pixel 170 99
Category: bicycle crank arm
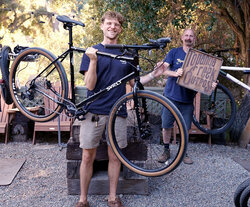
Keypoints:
pixel 80 114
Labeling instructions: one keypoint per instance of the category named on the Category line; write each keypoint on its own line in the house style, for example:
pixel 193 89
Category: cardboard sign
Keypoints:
pixel 200 71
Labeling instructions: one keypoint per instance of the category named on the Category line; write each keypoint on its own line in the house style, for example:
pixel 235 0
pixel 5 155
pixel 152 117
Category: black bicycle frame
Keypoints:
pixel 134 60
pixel 71 50
pixel 135 74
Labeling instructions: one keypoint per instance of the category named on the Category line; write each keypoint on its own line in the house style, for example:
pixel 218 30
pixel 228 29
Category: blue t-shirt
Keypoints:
pixel 174 91
pixel 109 70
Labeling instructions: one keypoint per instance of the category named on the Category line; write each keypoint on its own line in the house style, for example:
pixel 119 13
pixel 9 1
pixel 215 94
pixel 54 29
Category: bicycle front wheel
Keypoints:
pixel 38 85
pixel 217 111
pixel 143 125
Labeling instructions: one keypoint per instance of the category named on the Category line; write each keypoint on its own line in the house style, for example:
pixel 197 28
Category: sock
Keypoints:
pixel 166 147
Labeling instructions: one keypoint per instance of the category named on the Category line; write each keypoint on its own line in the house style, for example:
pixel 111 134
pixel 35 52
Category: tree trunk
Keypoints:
pixel 245 136
pixel 240 129
pixel 242 117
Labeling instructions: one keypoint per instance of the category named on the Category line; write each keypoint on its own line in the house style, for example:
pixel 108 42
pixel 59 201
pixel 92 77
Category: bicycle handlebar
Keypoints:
pixel 154 44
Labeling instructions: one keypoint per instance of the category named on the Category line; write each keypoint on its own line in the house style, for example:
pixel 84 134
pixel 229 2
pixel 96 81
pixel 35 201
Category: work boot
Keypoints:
pixel 165 156
pixel 81 204
pixel 116 203
pixel 187 160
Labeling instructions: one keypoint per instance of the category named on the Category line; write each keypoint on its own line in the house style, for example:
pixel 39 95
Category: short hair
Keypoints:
pixel 113 15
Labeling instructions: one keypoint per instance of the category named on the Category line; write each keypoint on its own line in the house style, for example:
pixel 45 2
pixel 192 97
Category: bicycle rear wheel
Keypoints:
pixel 239 190
pixel 144 133
pixel 245 197
pixel 38 86
pixel 4 64
pixel 218 111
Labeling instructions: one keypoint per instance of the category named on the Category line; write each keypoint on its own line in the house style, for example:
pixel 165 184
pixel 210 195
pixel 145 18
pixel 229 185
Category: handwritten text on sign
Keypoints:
pixel 200 71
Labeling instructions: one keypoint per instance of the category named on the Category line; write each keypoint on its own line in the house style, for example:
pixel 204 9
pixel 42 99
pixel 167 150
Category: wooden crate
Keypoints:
pixel 129 182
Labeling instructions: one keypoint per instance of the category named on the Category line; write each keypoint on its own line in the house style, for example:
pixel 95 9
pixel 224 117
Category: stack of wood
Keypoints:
pixel 129 182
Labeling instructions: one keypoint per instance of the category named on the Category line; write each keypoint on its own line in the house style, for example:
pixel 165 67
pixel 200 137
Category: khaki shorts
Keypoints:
pixel 91 133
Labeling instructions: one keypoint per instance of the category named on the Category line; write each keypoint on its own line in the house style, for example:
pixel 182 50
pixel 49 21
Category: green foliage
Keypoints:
pixel 141 15
pixel 20 15
pixel 32 23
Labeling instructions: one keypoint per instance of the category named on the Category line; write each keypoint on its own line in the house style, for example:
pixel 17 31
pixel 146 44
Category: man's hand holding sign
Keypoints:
pixel 200 71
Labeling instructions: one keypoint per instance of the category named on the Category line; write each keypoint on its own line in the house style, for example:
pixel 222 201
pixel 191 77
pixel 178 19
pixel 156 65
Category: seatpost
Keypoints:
pixel 72 77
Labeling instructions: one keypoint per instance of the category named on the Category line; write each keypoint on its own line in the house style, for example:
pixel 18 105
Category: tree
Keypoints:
pixel 15 16
pixel 156 18
pixel 237 16
pixel 146 19
pixel 236 13
pixel 151 18
pixel 33 23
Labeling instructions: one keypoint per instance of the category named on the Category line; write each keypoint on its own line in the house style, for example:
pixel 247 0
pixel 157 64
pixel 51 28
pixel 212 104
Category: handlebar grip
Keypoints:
pixel 164 40
pixel 161 41
pixel 115 46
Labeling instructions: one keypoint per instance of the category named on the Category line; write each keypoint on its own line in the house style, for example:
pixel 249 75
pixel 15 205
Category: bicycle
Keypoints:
pixel 213 106
pixel 142 108
pixel 220 106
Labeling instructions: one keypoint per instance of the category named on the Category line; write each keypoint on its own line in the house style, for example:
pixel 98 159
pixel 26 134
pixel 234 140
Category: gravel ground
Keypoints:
pixel 209 182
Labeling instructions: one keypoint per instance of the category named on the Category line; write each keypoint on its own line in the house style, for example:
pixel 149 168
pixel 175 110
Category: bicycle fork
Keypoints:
pixel 141 109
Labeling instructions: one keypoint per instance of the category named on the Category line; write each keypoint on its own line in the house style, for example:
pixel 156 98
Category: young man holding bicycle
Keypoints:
pixel 101 72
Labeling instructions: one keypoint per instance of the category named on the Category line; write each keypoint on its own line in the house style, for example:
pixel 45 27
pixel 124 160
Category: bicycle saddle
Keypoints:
pixel 66 20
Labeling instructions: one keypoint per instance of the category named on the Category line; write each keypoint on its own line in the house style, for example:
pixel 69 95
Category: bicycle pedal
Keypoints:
pixel 81 117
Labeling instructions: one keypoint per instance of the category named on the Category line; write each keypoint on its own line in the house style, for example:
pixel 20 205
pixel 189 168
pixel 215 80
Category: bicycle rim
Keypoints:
pixel 217 111
pixel 145 146
pixel 39 93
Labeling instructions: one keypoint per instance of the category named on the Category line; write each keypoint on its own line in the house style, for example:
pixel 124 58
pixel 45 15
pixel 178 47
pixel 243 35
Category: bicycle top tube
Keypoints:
pixel 235 80
pixel 121 57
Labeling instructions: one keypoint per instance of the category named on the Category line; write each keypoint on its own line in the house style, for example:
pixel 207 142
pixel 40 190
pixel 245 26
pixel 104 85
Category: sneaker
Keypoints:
pixel 165 156
pixel 187 160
